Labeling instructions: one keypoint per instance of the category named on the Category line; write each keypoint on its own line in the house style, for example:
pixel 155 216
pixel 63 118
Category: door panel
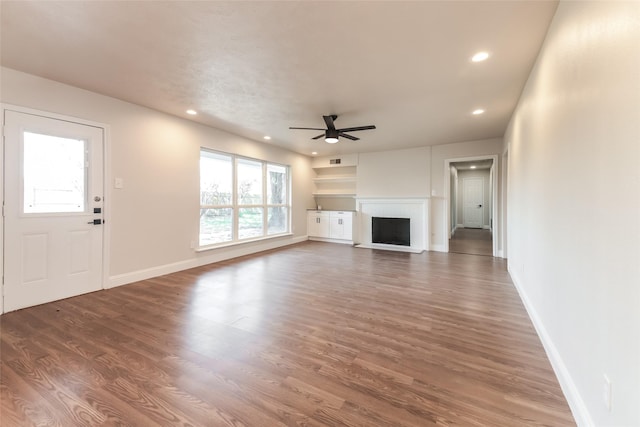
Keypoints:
pixel 473 199
pixel 34 254
pixel 53 182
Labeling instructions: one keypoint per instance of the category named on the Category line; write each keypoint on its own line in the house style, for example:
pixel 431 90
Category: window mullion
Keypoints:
pixel 234 200
pixel 265 212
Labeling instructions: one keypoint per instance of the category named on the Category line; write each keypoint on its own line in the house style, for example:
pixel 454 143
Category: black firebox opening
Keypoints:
pixel 391 231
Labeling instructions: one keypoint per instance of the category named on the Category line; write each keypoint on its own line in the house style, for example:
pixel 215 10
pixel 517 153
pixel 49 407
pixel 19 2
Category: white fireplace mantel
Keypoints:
pixel 416 209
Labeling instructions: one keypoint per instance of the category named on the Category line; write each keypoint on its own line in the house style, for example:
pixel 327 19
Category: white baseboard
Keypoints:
pixel 385 247
pixel 568 386
pixel 486 227
pixel 459 225
pixel 500 253
pixel 324 239
pixel 215 256
pixel 438 248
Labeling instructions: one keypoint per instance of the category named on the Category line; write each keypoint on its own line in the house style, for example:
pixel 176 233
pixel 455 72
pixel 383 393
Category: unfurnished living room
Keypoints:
pixel 320 213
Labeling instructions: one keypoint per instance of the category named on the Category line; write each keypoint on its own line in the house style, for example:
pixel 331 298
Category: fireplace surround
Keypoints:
pixel 414 209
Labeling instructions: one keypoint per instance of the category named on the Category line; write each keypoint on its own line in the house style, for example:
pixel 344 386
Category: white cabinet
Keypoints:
pixel 330 226
pixel 318 224
pixel 341 225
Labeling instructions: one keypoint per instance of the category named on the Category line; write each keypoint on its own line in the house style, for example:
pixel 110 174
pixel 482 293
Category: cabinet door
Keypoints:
pixel 347 226
pixel 341 224
pixel 313 228
pixel 336 229
pixel 323 225
pixel 317 224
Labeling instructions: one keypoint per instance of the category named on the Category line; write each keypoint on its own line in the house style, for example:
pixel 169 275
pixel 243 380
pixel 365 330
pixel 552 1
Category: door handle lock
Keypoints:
pixel 95 222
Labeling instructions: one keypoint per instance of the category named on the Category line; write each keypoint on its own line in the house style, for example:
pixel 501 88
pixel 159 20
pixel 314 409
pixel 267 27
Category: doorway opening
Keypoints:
pixel 472 205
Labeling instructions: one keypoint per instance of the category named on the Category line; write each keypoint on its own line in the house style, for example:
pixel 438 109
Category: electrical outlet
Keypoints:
pixel 606 392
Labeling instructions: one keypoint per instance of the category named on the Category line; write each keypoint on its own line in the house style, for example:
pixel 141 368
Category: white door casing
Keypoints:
pixel 52 247
pixel 473 201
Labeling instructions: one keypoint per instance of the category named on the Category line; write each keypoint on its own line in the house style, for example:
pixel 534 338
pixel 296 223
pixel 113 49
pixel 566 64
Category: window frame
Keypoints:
pixel 235 206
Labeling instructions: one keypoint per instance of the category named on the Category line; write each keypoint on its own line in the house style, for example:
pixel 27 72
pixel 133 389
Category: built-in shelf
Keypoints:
pixel 335 178
pixel 336 194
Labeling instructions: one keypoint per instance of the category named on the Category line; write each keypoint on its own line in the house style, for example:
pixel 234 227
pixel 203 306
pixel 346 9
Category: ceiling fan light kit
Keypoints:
pixel 332 135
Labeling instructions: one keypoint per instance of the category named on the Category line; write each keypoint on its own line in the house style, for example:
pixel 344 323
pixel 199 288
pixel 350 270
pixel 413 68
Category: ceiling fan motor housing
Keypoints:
pixel 331 133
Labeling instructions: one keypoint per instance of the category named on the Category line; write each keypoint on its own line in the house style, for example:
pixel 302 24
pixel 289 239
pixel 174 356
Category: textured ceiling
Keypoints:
pixel 256 68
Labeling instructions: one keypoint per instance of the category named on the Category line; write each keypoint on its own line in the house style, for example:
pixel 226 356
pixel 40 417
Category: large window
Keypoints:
pixel 241 198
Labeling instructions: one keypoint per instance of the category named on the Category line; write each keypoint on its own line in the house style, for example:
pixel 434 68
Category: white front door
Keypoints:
pixel 473 202
pixel 53 209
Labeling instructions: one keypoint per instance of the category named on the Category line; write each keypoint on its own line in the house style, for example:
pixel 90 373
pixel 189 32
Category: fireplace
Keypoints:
pixel 413 210
pixel 391 231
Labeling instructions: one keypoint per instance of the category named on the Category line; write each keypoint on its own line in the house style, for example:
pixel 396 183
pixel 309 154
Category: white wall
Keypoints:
pixel 574 205
pixel 397 173
pixel 154 218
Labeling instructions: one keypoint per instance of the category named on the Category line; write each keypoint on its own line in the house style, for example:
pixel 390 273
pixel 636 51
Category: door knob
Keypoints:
pixel 95 222
pixel 479 206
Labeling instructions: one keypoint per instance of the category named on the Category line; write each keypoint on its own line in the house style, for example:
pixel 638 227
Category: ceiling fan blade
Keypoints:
pixel 353 138
pixel 308 128
pixel 329 121
pixel 319 136
pixel 356 128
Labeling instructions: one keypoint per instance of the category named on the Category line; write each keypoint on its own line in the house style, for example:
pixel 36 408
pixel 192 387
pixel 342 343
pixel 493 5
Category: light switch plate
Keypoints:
pixel 118 183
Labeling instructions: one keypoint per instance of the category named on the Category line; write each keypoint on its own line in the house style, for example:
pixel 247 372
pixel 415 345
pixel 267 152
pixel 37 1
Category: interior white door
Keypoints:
pixel 473 201
pixel 53 209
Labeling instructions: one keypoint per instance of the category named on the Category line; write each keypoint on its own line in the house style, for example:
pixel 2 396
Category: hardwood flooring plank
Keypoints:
pixel 314 334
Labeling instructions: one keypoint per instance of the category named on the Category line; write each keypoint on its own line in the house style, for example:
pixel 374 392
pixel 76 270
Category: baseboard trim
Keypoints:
pixel 438 248
pixel 325 239
pixel 212 257
pixel 393 248
pixel 576 403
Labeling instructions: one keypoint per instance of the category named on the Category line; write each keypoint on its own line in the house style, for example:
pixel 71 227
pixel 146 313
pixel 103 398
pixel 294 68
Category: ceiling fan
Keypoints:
pixel 331 134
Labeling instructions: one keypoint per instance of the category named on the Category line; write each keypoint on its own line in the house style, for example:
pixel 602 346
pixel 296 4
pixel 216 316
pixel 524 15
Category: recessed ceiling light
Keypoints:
pixel 267 137
pixel 192 112
pixel 478 111
pixel 314 153
pixel 480 56
pixel 472 167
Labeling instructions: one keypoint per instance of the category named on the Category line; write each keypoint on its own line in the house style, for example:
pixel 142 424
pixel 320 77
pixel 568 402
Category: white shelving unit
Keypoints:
pixel 335 176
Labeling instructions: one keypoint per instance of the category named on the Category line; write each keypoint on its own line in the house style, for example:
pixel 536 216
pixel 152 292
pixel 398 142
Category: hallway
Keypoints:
pixel 473 241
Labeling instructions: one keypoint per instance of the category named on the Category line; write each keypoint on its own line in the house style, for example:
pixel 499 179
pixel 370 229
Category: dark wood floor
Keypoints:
pixel 472 241
pixel 316 334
